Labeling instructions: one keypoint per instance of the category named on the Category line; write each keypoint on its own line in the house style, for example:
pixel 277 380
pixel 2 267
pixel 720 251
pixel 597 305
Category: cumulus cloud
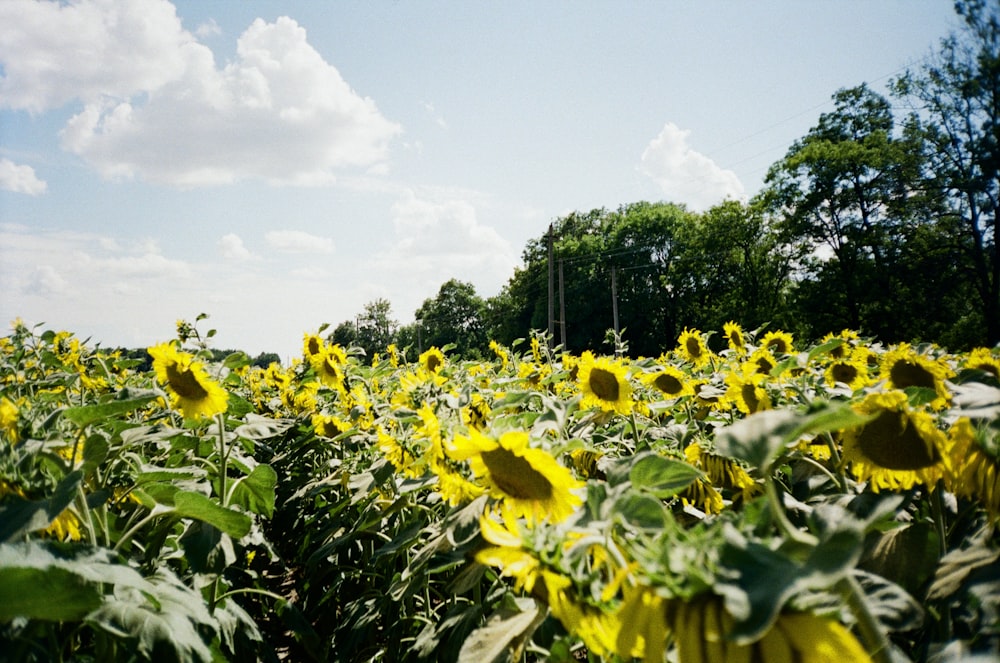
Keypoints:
pixel 20 179
pixel 685 175
pixel 157 107
pixel 296 241
pixel 440 237
pixel 232 248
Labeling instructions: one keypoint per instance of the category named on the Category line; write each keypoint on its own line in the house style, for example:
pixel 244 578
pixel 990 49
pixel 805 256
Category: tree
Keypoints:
pixel 456 315
pixel 955 98
pixel 843 191
pixel 372 330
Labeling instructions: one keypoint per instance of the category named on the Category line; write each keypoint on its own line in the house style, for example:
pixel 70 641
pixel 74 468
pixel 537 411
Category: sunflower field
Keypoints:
pixel 764 501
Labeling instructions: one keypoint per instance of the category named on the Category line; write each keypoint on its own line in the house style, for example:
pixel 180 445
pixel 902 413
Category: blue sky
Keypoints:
pixel 277 165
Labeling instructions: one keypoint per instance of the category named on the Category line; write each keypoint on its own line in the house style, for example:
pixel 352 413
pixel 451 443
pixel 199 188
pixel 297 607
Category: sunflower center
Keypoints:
pixel 735 340
pixel 893 442
pixel 764 365
pixel 185 383
pixel 693 346
pixel 778 345
pixel 432 363
pixel 313 346
pixel 750 397
pixel 910 374
pixel 515 476
pixel 668 384
pixel 989 368
pixel 844 373
pixel 604 384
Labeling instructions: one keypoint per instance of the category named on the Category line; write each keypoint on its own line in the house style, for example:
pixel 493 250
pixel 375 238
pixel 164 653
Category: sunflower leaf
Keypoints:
pixel 663 477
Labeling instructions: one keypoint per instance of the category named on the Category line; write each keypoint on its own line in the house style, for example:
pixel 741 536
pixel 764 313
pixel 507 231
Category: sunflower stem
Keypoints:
pixel 835 457
pixel 872 635
pixel 937 509
pixel 223 459
pixel 781 518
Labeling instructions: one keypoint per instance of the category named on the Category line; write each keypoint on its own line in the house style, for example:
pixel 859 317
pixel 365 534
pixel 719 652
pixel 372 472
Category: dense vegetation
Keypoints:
pixel 882 219
pixel 766 502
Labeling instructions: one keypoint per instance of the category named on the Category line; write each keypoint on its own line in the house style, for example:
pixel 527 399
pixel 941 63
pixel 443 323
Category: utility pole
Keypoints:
pixel 552 299
pixel 614 298
pixel 562 308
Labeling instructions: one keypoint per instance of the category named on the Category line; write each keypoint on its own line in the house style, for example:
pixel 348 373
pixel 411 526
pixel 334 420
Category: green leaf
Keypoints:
pixel 19 517
pixel 261 428
pixel 641 510
pixel 758 438
pixel 85 415
pixel 255 492
pixel 663 477
pixel 52 594
pixel 489 642
pixel 188 504
pixel 762 436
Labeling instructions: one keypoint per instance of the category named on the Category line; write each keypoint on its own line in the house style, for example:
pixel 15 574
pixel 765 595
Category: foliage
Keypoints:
pixel 762 501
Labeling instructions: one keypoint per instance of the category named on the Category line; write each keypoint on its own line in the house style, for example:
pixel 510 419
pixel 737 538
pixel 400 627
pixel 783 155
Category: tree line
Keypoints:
pixel 883 219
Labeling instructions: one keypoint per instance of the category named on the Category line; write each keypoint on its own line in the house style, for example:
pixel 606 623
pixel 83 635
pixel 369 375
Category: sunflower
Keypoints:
pixel 477 413
pixel 721 471
pixel 453 487
pixel 898 448
pixel 312 344
pixel 763 360
pixel 328 425
pixel 599 630
pixel 850 339
pixel 508 552
pixel 642 624
pixel 701 626
pixel 735 337
pixel 778 342
pixel 501 354
pixel 432 360
pixel 746 389
pixel 982 359
pixel 604 383
pixel 193 392
pixel 976 470
pixel 850 369
pixel 691 346
pixel 528 481
pixel 904 367
pixel 670 381
pixel 8 420
pixel 329 365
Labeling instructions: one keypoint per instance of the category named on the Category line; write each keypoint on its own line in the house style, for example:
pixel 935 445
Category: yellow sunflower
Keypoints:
pixel 898 448
pixel 328 425
pixel 701 626
pixel 746 389
pixel 850 369
pixel 508 552
pixel 192 391
pixel 976 471
pixel 529 482
pixel 329 365
pixel 723 472
pixel 8 420
pixel 850 338
pixel 983 359
pixel 312 344
pixel 691 346
pixel 670 381
pixel 763 360
pixel 778 342
pixel 735 337
pixel 904 367
pixel 604 383
pixel 432 360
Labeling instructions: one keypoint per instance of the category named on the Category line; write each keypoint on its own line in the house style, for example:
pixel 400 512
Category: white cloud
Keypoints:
pixel 687 176
pixel 20 179
pixel 296 241
pixel 208 29
pixel 157 107
pixel 232 248
pixel 54 52
pixel 439 238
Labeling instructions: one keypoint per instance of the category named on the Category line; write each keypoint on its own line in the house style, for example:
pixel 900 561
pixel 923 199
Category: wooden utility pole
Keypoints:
pixel 552 299
pixel 614 298
pixel 562 308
